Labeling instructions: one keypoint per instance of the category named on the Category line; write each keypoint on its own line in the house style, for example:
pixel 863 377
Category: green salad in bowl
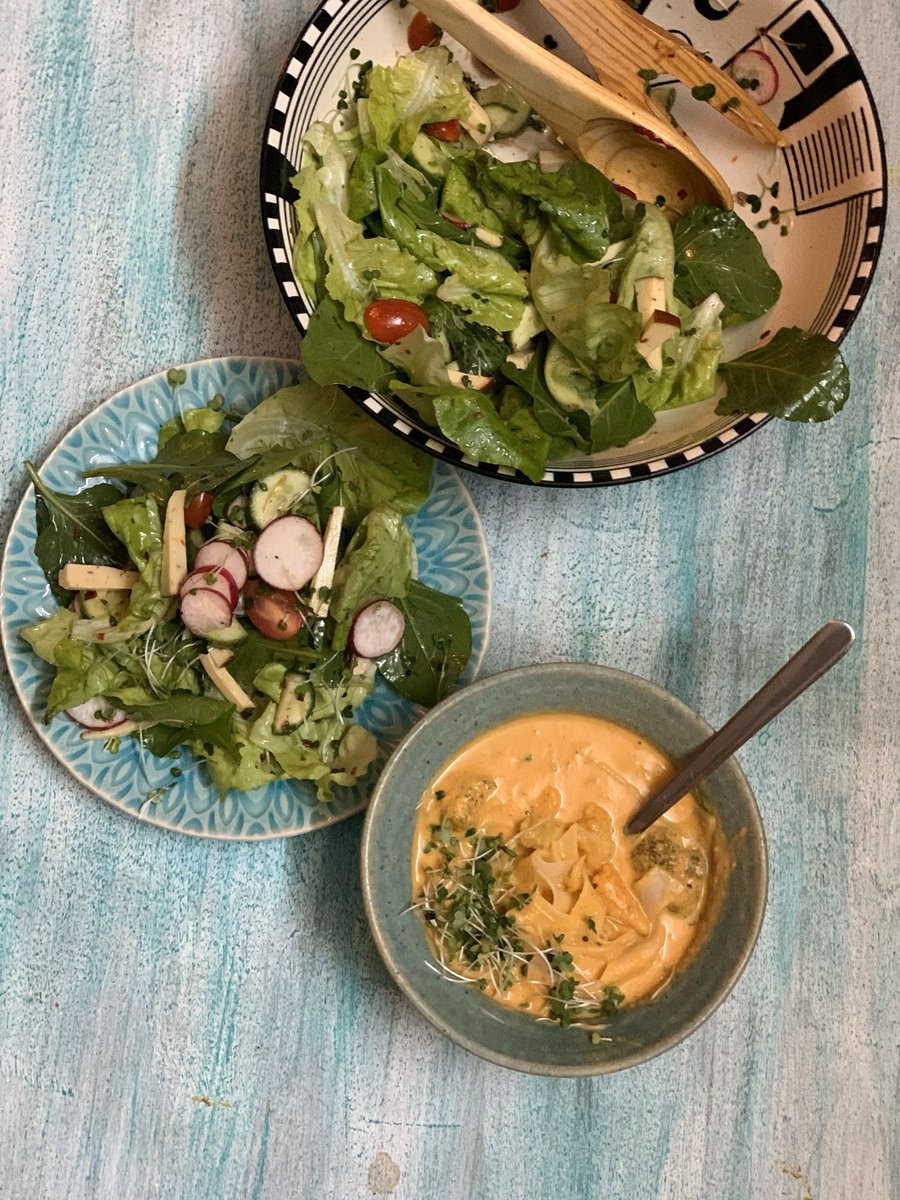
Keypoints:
pixel 510 295
pixel 239 594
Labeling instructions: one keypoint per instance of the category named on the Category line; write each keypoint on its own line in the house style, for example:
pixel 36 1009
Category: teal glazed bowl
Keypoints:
pixel 504 1036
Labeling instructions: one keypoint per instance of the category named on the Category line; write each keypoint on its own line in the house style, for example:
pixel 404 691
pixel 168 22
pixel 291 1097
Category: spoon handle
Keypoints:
pixel 810 662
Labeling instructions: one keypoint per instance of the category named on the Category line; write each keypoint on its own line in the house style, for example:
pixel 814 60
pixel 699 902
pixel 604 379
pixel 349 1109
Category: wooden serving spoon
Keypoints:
pixel 810 663
pixel 633 146
pixel 619 43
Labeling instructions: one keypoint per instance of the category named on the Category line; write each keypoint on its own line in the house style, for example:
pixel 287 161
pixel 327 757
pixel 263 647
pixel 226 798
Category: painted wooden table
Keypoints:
pixel 188 1019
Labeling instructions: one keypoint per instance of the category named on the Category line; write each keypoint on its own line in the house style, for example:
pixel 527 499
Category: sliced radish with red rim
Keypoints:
pixel 755 71
pixel 204 611
pixel 219 579
pixel 222 554
pixel 377 629
pixel 96 713
pixel 288 553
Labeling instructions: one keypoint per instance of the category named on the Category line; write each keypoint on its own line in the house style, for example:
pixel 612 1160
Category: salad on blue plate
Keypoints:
pixel 238 594
pixel 524 306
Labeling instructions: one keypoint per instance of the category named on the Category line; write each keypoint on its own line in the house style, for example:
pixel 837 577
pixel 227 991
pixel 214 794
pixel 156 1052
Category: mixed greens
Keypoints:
pixel 527 309
pixel 238 594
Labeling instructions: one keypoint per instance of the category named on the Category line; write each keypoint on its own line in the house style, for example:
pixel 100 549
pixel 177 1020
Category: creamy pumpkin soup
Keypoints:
pixel 528 885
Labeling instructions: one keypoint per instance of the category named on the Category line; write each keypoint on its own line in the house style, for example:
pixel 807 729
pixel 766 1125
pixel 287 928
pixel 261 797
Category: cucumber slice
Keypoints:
pixel 293 704
pixel 99 603
pixel 227 637
pixel 429 158
pixel 507 110
pixel 276 495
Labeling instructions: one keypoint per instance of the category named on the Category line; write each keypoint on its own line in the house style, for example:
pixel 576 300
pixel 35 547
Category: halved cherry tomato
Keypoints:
pixel 504 5
pixel 444 131
pixel 390 320
pixel 276 614
pixel 422 31
pixel 197 510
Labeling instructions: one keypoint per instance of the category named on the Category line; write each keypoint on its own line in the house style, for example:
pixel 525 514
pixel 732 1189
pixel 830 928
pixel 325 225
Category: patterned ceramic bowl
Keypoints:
pixel 504 1036
pixel 828 186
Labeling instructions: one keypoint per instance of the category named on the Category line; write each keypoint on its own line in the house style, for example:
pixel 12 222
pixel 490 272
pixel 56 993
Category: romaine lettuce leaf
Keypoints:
pixel 716 252
pixel 44 636
pixel 482 281
pixel 136 523
pixel 420 356
pixel 581 204
pixel 471 421
pixel 574 302
pixel 421 87
pixel 362 269
pixel 650 252
pixel 324 175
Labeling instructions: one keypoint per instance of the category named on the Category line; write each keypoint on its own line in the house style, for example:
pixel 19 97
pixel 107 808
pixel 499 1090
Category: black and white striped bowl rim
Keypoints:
pixel 276 171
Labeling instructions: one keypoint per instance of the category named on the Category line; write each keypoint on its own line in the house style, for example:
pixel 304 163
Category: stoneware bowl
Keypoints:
pixel 503 1036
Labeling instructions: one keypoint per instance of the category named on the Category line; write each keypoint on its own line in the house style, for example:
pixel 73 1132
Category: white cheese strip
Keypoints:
pixel 477 124
pixel 228 686
pixel 468 379
pixel 324 577
pixel 174 563
pixel 650 294
pixel 77 577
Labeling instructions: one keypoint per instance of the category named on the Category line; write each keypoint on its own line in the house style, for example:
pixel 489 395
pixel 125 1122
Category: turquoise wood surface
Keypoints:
pixel 182 1019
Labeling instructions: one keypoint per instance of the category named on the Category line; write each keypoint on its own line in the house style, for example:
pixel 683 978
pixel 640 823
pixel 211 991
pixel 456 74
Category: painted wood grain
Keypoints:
pixel 181 1019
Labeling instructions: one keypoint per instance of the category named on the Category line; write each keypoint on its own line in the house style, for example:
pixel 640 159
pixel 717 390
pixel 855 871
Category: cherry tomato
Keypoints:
pixel 198 509
pixel 390 320
pixel 422 31
pixel 504 5
pixel 444 131
pixel 276 614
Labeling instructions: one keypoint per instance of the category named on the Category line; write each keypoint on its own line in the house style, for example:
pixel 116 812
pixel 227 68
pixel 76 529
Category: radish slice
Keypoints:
pixel 223 554
pixel 288 553
pixel 377 629
pixel 217 578
pixel 204 611
pixel 96 713
pixel 756 69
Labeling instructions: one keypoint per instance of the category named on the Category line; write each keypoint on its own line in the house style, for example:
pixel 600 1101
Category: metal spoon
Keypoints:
pixel 810 662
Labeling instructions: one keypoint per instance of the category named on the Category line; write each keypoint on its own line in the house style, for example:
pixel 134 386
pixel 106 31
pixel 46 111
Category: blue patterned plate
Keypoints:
pixel 452 557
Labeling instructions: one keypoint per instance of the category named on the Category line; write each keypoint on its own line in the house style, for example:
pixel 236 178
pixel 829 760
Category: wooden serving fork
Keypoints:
pixel 637 147
pixel 625 48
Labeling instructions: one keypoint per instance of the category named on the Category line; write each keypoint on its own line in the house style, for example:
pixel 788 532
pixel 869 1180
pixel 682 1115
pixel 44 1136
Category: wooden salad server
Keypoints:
pixel 632 145
pixel 620 44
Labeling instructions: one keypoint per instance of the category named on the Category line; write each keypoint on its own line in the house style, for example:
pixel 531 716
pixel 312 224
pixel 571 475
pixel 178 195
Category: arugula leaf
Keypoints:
pixel 334 351
pixel 435 647
pixel 196 460
pixel 797 375
pixel 185 718
pixel 716 252
pixel 72 529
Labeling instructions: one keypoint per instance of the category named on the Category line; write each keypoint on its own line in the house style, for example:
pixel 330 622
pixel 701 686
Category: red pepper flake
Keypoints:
pixel 763 336
pixel 614 297
pixel 455 221
pixel 682 193
pixel 625 191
